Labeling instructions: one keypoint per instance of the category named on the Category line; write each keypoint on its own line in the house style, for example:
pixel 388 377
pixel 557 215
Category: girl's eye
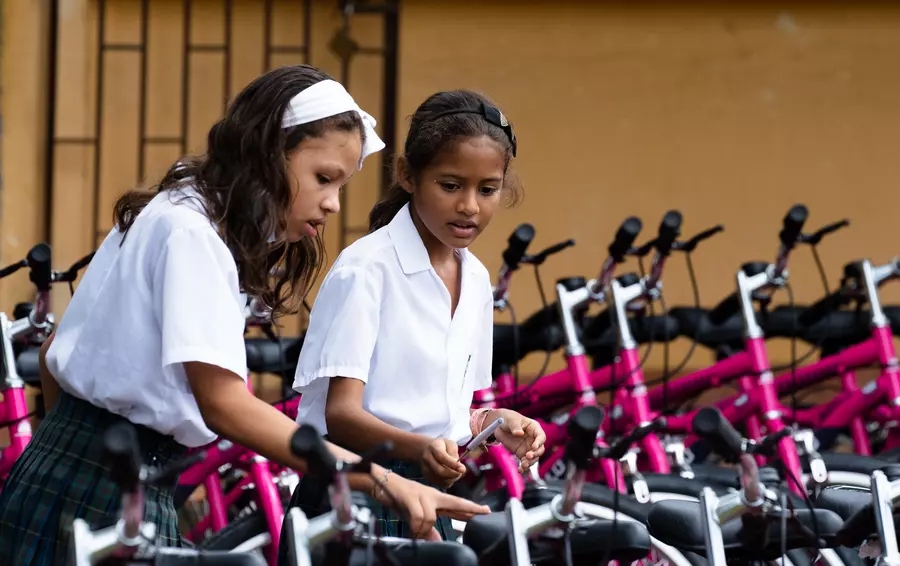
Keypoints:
pixel 323 179
pixel 488 191
pixel 448 186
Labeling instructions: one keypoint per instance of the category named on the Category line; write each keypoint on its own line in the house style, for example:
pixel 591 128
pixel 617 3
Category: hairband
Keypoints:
pixel 329 98
pixel 490 113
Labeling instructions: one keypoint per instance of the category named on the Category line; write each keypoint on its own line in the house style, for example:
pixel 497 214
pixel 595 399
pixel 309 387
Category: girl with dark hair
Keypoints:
pixel 400 335
pixel 154 332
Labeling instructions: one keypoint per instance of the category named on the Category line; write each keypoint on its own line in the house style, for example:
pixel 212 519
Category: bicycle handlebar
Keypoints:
pixel 792 227
pixel 38 260
pixel 669 230
pixel 517 243
pixel 583 429
pixel 71 274
pixel 710 425
pixel 789 236
pixel 516 246
pixel 620 447
pixel 120 446
pixel 625 236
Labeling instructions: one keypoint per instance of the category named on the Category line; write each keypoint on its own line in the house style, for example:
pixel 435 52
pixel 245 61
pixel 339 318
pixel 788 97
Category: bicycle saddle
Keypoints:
pixel 210 558
pixel 694 324
pixel 541 332
pixel 627 541
pixel 844 502
pixel 265 356
pixel 677 523
pixel 421 553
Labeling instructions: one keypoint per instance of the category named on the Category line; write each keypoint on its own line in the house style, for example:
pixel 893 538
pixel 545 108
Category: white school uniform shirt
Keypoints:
pixel 382 316
pixel 166 295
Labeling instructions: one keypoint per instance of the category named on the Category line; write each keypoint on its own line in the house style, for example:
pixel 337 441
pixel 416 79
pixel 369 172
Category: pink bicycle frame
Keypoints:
pixel 851 408
pixel 260 476
pixel 14 407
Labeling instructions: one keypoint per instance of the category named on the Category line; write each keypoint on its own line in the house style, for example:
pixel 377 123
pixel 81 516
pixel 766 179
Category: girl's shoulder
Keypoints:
pixel 373 252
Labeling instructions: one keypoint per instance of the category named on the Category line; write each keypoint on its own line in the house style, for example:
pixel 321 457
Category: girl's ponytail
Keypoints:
pixel 388 207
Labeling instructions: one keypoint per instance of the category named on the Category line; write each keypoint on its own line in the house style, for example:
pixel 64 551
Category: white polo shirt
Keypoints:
pixel 382 316
pixel 166 295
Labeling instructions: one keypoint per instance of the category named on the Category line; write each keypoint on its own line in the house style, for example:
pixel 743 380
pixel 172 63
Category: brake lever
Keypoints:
pixel 690 245
pixel 816 237
pixel 540 257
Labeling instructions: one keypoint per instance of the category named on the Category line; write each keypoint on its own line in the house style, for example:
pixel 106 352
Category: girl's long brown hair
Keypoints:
pixel 242 180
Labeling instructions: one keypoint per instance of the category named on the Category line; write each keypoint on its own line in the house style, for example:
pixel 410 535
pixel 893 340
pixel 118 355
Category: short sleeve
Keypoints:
pixel 196 298
pixel 343 327
pixel 485 352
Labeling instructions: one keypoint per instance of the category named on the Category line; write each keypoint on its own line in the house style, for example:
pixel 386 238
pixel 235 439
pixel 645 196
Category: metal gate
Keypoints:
pixel 108 19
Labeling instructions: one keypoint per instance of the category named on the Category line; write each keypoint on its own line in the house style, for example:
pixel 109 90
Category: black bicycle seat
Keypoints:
pixel 210 558
pixel 841 328
pixel 406 552
pixel 677 523
pixel 626 541
pixel 694 324
pixel 844 502
pixel 266 356
pixel 540 332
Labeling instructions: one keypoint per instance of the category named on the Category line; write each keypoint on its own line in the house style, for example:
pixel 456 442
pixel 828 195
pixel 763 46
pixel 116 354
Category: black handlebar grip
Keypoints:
pixel 858 527
pixel 625 237
pixel 308 444
pixel 793 225
pixel 821 308
pixel 82 263
pixel 721 312
pixel 39 264
pixel 669 230
pixel 583 429
pixel 710 425
pixel 517 244
pixel 122 456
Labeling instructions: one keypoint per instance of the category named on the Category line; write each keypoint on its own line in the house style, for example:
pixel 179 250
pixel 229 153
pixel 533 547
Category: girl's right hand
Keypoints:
pixel 440 463
pixel 422 505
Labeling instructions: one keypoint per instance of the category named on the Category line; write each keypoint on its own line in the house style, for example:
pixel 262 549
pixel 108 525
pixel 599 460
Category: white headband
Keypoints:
pixel 329 98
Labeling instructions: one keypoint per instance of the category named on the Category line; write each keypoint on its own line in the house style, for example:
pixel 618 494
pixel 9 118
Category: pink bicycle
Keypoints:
pixel 19 336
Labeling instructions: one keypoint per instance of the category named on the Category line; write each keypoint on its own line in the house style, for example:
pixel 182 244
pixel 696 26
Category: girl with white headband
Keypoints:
pixel 400 335
pixel 154 332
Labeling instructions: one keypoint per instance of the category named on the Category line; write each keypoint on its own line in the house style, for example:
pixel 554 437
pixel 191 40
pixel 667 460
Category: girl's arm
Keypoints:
pixel 49 386
pixel 230 410
pixel 350 425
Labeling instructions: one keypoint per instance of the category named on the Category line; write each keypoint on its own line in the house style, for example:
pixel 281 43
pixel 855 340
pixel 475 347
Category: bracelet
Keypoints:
pixel 378 487
pixel 476 420
pixel 476 424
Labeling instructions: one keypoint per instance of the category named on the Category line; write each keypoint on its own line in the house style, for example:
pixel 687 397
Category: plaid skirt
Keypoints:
pixel 61 477
pixel 311 495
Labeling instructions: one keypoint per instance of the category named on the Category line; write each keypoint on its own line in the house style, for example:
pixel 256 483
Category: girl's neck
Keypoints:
pixel 438 252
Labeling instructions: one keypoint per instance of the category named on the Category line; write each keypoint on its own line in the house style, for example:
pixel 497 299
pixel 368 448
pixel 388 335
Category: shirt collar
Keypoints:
pixel 409 245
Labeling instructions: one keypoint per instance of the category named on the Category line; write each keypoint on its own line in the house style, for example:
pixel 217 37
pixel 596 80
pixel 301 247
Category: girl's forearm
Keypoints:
pixel 361 431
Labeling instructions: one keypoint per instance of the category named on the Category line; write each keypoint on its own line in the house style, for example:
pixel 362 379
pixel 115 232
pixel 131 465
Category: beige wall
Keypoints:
pixel 728 111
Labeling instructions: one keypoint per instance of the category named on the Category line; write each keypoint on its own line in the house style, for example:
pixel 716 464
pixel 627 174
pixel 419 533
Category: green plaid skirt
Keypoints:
pixel 60 477
pixel 311 495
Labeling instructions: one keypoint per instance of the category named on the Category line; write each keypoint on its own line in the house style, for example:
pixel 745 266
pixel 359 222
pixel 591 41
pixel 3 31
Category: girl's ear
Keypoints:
pixel 404 176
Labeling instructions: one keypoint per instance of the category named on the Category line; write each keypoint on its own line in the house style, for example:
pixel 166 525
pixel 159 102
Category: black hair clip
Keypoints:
pixel 490 113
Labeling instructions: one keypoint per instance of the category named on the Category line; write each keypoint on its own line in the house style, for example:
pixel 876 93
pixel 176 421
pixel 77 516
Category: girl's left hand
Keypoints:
pixel 520 435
